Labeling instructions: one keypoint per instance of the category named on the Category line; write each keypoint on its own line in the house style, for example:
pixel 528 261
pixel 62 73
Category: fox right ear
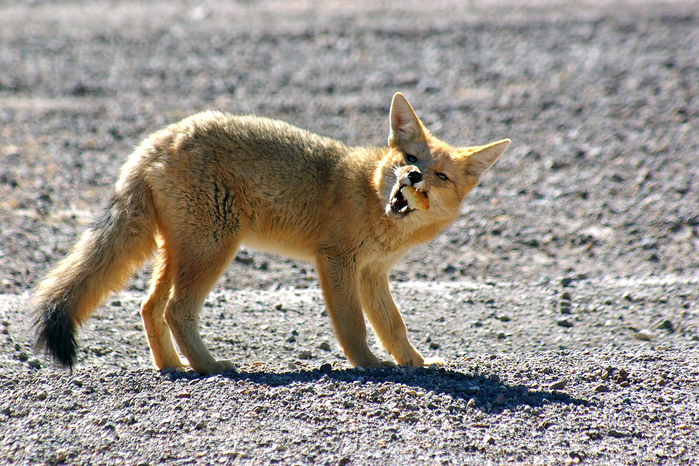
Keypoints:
pixel 480 158
pixel 404 123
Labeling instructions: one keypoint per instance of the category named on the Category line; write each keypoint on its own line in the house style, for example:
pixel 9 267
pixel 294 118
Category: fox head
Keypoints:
pixel 442 174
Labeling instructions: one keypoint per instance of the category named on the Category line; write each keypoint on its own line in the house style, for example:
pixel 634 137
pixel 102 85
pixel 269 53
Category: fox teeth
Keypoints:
pixel 399 203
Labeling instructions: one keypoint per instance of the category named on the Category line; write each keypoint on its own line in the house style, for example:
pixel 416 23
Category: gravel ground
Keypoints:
pixel 564 299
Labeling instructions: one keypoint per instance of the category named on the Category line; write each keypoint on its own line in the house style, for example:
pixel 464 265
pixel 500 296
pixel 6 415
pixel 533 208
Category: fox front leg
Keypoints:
pixel 338 279
pixel 385 317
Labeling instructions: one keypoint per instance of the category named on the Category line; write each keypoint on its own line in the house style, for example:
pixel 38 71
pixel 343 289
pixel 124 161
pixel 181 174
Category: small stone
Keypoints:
pixel 434 345
pixel 564 323
pixel 305 354
pixel 667 325
pixel 644 335
pixel 326 368
pixel 34 363
pixel 622 376
pixel 602 388
pixel 291 339
pixel 567 281
pixel 558 385
pixel 325 346
pixel 60 456
pixel 499 400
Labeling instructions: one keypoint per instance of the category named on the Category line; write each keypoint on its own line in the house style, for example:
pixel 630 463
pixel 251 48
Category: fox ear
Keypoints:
pixel 480 158
pixel 405 125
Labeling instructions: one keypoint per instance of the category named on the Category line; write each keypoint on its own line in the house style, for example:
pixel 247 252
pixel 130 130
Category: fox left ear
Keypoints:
pixel 480 158
pixel 405 125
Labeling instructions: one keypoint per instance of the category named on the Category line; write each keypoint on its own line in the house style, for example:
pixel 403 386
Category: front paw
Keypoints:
pixel 217 367
pixel 437 361
pixel 373 362
pixel 224 366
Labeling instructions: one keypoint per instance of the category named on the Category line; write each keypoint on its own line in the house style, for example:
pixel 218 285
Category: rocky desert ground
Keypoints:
pixel 564 299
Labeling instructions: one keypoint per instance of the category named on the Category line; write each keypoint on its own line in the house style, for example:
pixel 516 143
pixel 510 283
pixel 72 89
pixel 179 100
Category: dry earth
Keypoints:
pixel 564 299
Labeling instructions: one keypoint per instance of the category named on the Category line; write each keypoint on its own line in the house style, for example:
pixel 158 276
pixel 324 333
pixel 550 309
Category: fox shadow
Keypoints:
pixel 480 391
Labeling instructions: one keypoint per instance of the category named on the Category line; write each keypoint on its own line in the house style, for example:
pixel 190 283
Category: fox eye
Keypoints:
pixel 442 176
pixel 410 158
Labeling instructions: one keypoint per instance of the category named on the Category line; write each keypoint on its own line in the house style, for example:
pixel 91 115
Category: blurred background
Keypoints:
pixel 599 98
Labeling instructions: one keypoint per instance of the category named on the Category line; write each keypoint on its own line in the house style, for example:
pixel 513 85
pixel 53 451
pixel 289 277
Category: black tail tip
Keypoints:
pixel 56 335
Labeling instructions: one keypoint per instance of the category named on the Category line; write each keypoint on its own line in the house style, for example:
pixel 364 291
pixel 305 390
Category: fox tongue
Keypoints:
pixel 399 203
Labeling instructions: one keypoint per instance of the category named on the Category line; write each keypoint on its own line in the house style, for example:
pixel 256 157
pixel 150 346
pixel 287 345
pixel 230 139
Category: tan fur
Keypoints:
pixel 213 181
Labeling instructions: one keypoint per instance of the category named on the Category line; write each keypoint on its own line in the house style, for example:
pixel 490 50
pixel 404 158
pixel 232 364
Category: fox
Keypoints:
pixel 192 193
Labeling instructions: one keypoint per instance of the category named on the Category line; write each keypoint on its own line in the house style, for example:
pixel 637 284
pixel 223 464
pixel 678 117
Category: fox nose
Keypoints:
pixel 415 177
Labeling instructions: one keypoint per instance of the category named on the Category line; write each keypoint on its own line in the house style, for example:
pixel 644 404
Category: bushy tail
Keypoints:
pixel 100 263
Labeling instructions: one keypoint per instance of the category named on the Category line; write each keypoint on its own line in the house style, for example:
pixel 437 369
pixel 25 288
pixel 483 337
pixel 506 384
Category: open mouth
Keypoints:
pixel 400 204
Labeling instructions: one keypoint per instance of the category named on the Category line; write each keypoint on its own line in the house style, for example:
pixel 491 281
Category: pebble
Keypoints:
pixel 666 325
pixel 306 354
pixel 325 346
pixel 34 363
pixel 567 281
pixel 564 323
pixel 558 385
pixel 645 335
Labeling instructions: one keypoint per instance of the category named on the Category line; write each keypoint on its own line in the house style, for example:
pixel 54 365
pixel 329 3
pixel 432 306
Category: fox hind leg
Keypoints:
pixel 197 268
pixel 153 313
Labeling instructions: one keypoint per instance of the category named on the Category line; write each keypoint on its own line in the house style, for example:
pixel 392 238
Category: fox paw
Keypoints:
pixel 438 361
pixel 224 366
pixel 376 363
pixel 218 367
